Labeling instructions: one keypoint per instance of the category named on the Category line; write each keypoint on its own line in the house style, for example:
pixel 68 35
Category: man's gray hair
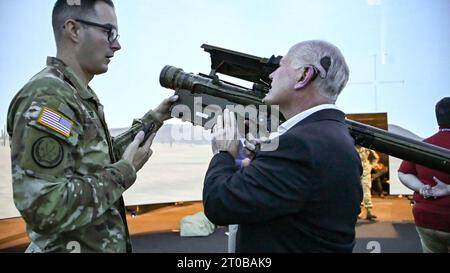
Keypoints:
pixel 333 72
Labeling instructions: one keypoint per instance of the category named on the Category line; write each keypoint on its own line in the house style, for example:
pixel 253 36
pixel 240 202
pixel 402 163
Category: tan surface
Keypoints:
pixel 12 233
pixel 389 209
pixel 164 218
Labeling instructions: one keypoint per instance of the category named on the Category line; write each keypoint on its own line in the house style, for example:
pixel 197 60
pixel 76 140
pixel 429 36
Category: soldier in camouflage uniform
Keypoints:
pixel 366 179
pixel 68 173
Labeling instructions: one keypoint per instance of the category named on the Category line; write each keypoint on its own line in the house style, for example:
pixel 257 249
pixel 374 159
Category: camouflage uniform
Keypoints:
pixel 366 180
pixel 68 178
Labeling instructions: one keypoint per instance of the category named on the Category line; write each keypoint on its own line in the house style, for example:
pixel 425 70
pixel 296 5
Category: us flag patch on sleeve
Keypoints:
pixel 55 121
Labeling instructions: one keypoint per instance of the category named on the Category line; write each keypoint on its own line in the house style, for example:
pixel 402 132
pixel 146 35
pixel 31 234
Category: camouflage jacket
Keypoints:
pixel 68 178
pixel 368 159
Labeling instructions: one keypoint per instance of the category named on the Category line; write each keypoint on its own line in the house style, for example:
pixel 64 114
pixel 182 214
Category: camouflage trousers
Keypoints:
pixel 366 183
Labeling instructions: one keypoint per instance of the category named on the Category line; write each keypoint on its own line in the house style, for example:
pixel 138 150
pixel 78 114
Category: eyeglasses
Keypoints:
pixel 113 35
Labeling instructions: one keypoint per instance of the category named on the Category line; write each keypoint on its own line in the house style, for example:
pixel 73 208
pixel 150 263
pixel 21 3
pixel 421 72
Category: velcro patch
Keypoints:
pixel 47 152
pixel 55 121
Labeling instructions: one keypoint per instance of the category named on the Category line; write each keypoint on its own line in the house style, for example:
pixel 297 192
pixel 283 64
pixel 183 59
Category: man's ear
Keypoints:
pixel 307 76
pixel 72 30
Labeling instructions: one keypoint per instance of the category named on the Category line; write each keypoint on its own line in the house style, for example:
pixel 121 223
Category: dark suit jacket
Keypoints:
pixel 303 197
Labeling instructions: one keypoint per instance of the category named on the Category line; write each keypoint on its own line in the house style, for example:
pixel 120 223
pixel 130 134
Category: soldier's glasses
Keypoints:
pixel 112 31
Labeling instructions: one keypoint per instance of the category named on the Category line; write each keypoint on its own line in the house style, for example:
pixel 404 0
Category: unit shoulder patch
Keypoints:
pixel 47 152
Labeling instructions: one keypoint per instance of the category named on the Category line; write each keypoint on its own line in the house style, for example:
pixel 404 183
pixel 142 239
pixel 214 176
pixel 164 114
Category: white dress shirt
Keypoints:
pixel 288 124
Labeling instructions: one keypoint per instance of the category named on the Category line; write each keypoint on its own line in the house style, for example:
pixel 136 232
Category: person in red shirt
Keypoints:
pixel 431 190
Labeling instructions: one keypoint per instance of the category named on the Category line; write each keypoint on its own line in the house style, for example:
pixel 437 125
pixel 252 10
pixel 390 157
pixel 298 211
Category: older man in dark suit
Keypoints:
pixel 305 195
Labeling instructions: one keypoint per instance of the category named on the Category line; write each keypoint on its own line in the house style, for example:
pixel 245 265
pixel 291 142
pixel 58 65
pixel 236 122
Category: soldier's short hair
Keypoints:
pixel 70 9
pixel 443 112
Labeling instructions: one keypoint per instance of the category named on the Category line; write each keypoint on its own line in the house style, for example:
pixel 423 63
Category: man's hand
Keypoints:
pixel 246 162
pixel 136 155
pixel 441 189
pixel 225 136
pixel 253 145
pixel 425 191
pixel 412 182
pixel 162 112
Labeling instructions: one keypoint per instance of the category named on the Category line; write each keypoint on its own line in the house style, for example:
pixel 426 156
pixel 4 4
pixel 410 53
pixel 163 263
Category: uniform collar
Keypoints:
pixel 85 93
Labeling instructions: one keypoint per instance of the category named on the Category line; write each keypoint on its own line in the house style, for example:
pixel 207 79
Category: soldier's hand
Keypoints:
pixel 162 112
pixel 136 155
